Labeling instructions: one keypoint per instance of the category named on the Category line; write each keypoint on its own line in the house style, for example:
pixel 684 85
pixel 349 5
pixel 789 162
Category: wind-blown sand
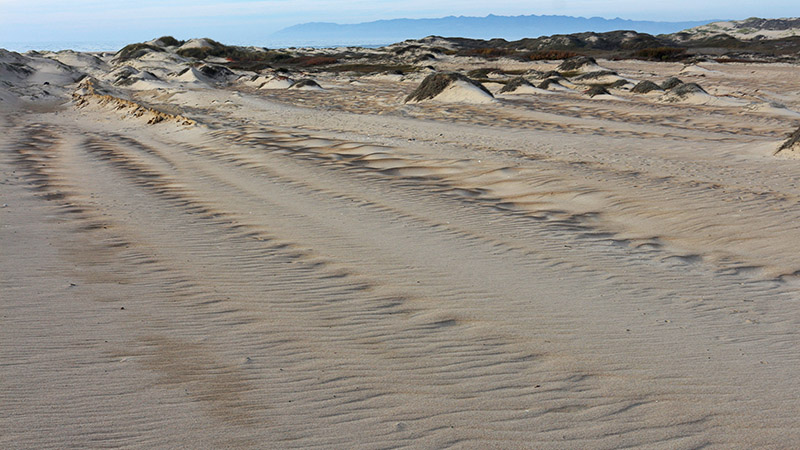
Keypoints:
pixel 277 268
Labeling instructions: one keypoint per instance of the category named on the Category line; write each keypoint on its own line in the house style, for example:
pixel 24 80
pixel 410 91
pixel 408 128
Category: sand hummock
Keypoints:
pixel 596 90
pixel 306 84
pixel 450 87
pixel 671 83
pixel 519 85
pixel 790 145
pixel 583 64
pixel 645 87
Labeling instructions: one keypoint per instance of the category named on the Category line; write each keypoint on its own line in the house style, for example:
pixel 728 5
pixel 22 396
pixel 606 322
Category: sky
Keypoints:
pixel 250 21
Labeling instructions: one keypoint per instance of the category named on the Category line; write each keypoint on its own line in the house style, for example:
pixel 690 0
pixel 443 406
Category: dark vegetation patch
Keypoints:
pixel 169 41
pixel 576 63
pixel 133 51
pixel 661 54
pixel 214 71
pixel 793 141
pixel 487 52
pixel 594 75
pixel 242 58
pixel 434 84
pixel 515 84
pixel 312 61
pixel 406 49
pixel 484 72
pixel 624 44
pixel 549 82
pixel 365 69
pixel 617 84
pixel 597 90
pixel 547 55
pixel 670 83
pixel 305 82
pixel 684 89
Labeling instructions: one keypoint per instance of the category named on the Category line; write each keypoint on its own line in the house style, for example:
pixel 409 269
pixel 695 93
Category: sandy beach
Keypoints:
pixel 197 260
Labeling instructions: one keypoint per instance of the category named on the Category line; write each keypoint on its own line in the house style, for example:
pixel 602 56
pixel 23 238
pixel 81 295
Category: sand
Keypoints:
pixel 337 269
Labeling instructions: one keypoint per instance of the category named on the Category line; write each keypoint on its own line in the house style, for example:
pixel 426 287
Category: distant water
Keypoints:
pixel 113 46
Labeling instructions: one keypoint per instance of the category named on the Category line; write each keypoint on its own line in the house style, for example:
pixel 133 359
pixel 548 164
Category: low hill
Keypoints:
pixel 753 28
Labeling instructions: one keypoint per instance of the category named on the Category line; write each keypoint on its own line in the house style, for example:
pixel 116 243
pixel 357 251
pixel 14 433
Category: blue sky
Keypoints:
pixel 240 21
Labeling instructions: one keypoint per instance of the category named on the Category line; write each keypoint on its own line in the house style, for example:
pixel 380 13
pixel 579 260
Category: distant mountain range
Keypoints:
pixel 491 26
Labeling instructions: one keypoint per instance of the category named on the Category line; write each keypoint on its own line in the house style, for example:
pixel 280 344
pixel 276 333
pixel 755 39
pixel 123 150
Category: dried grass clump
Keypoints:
pixel 549 82
pixel 597 90
pixel 646 86
pixel 685 89
pixel 305 82
pixel 487 52
pixel 214 71
pixel 515 84
pixel 671 83
pixel 595 75
pixel 548 55
pixel 134 51
pixel 792 142
pixel 661 53
pixel 618 84
pixel 576 63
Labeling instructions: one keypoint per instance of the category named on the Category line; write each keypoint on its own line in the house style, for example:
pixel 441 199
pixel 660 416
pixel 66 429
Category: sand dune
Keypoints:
pixel 282 268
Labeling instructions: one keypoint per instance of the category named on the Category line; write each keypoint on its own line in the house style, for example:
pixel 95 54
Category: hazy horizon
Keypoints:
pixel 243 21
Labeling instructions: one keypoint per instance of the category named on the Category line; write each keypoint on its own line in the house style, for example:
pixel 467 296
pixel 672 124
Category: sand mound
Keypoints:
pixel 134 51
pixel 13 67
pixel 191 75
pixel 580 64
pixel 687 89
pixel 196 43
pixel 128 76
pixel 204 73
pixel 791 145
pixel 306 84
pixel 576 63
pixel 689 93
pixel 165 41
pixel 622 83
pixel 598 77
pixel 596 90
pixel 645 87
pixel 85 62
pixel 255 81
pixel 671 83
pixel 450 87
pixel 692 93
pixel 215 72
pixel 278 82
pixel 693 69
pixel 520 85
pixel 553 84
